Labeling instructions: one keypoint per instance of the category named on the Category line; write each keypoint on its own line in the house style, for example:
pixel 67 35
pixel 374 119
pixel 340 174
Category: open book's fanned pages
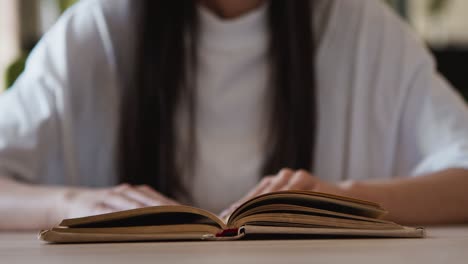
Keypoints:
pixel 404 232
pixel 287 214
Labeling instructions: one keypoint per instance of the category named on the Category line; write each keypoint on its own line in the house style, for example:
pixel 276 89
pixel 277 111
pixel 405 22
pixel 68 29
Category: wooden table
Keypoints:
pixel 446 245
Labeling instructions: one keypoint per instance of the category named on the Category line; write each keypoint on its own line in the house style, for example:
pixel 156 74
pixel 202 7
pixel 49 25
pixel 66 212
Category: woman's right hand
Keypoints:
pixel 81 202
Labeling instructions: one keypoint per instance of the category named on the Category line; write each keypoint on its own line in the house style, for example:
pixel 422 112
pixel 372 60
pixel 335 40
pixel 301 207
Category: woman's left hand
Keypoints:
pixel 287 179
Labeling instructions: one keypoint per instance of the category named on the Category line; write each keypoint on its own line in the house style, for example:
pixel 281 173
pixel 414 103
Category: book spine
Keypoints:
pixel 228 232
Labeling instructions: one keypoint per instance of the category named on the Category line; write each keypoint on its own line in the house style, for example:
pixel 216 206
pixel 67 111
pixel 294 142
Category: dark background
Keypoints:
pixel 452 62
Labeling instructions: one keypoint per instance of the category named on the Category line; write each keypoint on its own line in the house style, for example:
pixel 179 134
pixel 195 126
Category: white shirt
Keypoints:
pixel 383 110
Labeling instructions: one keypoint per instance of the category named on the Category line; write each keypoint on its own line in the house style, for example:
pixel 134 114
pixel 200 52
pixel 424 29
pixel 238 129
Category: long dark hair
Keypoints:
pixel 166 57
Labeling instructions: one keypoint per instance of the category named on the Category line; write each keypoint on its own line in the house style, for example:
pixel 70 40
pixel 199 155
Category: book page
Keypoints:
pixel 161 229
pixel 148 216
pixel 311 221
pixel 297 209
pixel 313 200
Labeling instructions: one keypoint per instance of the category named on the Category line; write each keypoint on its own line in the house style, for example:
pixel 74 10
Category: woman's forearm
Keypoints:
pixel 24 206
pixel 438 198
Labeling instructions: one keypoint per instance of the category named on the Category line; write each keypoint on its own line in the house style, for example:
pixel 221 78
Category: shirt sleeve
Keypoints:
pixel 420 121
pixel 434 123
pixel 433 128
pixel 38 113
pixel 28 116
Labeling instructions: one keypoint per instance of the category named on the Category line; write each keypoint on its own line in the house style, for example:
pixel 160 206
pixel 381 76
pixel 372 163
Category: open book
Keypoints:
pixel 289 214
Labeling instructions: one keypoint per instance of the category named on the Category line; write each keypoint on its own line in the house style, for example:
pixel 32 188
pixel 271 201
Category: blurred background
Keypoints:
pixel 443 24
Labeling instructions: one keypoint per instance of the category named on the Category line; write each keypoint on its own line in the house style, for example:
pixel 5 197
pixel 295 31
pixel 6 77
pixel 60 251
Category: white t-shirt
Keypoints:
pixel 383 110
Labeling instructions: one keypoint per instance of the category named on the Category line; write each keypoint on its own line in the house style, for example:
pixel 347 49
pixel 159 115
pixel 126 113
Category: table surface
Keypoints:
pixel 442 245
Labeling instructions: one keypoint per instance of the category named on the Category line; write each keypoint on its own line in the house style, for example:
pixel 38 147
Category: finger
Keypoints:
pixel 120 201
pixel 267 185
pixel 136 194
pixel 264 183
pixel 251 194
pixel 102 208
pixel 280 181
pixel 152 197
pixel 144 195
pixel 122 187
pixel 130 193
pixel 301 180
pixel 259 189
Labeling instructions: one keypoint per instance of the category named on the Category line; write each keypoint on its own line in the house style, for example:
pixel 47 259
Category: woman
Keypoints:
pixel 195 101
